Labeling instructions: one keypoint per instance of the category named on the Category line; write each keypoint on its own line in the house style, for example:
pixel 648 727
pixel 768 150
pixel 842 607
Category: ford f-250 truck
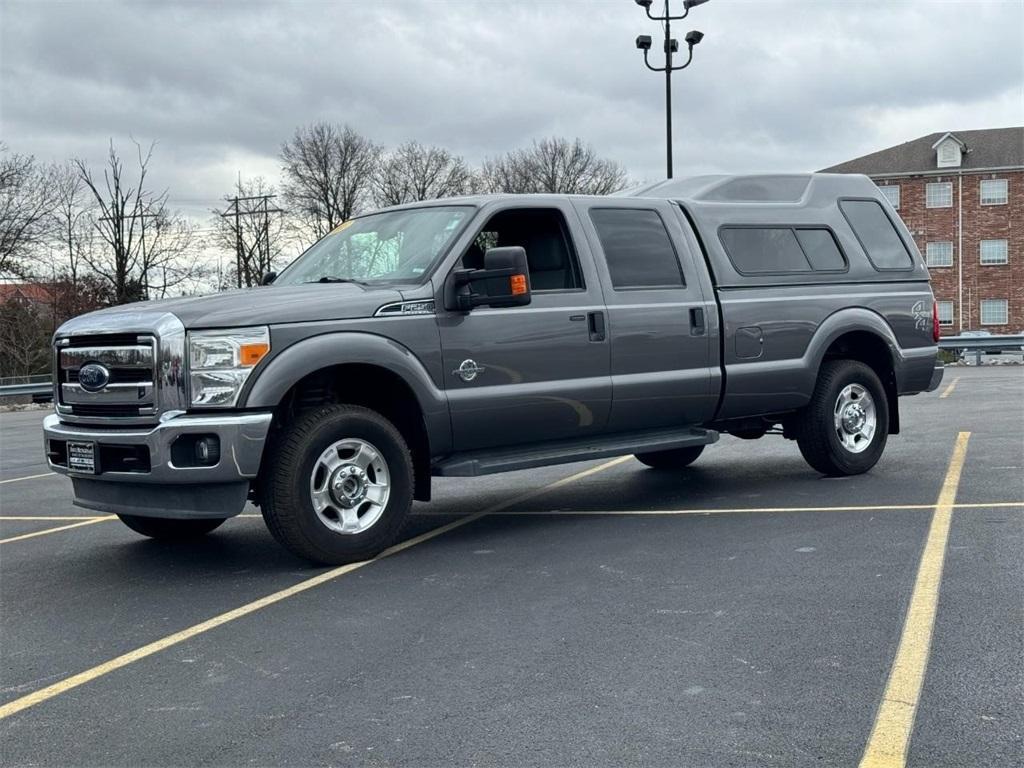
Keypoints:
pixel 486 334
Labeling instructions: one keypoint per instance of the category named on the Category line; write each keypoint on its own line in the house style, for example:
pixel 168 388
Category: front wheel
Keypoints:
pixel 844 428
pixel 169 529
pixel 677 458
pixel 338 485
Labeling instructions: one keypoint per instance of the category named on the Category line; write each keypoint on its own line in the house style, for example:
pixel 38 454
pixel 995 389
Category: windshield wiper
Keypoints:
pixel 334 279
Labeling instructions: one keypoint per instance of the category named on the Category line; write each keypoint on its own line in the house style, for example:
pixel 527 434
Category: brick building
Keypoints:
pixel 961 194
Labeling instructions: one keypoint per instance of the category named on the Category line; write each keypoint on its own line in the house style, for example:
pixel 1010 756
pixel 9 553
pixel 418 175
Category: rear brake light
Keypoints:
pixel 935 322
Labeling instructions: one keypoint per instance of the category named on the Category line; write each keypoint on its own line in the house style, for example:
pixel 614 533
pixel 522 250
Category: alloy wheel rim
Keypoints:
pixel 855 418
pixel 349 486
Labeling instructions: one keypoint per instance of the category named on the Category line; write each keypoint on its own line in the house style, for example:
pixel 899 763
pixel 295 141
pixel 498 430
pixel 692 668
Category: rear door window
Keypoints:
pixel 637 248
pixel 877 234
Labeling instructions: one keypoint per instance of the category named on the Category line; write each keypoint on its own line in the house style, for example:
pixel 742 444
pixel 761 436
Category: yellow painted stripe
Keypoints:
pixel 28 477
pixel 52 518
pixel 58 529
pixel 894 723
pixel 950 388
pixel 738 510
pixel 63 686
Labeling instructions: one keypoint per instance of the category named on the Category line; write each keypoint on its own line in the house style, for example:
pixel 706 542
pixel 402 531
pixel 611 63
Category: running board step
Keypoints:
pixel 490 461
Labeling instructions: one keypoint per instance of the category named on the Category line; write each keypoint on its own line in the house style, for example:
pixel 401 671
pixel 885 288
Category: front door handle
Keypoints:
pixel 595 323
pixel 697 321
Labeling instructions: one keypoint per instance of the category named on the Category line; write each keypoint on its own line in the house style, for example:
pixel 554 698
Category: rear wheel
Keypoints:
pixel 677 458
pixel 338 485
pixel 168 529
pixel 844 429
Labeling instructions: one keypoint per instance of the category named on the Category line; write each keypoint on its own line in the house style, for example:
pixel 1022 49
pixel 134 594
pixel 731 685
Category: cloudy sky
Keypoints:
pixel 776 85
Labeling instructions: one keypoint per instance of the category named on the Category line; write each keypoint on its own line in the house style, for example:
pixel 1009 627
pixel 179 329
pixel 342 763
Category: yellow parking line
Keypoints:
pixel 27 477
pixel 950 388
pixel 894 723
pixel 47 531
pixel 25 518
pixel 63 686
pixel 736 510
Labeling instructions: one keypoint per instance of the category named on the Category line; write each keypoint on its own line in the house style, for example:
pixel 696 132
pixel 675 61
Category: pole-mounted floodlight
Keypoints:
pixel 643 43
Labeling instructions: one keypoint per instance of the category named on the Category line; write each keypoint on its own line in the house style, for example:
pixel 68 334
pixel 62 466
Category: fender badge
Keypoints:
pixel 469 370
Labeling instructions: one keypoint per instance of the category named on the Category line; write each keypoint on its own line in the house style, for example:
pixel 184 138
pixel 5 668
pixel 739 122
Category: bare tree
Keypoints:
pixel 414 172
pixel 250 226
pixel 26 199
pixel 25 332
pixel 327 173
pixel 146 242
pixel 70 226
pixel 554 165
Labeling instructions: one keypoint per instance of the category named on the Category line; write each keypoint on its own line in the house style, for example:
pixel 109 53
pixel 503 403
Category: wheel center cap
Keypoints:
pixel 853 418
pixel 348 486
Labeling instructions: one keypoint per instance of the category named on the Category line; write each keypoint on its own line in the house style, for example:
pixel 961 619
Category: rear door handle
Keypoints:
pixel 595 323
pixel 697 322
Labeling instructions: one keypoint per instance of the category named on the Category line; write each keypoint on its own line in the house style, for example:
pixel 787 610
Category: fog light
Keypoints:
pixel 207 451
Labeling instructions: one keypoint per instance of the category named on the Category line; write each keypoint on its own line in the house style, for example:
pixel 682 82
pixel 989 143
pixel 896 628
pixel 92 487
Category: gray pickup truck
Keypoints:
pixel 485 334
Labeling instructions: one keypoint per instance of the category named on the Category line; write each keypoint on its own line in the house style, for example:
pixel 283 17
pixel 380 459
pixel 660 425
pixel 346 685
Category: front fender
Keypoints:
pixel 348 347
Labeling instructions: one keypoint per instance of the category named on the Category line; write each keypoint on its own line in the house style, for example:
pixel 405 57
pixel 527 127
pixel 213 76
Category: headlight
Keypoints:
pixel 220 362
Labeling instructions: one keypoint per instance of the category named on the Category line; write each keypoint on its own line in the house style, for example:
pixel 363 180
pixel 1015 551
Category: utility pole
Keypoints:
pixel 256 209
pixel 643 43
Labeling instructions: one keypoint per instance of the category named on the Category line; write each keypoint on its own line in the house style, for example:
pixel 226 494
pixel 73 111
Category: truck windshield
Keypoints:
pixel 391 247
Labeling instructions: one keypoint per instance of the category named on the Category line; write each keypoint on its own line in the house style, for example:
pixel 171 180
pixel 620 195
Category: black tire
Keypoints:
pixel 168 529
pixel 816 432
pixel 287 504
pixel 677 458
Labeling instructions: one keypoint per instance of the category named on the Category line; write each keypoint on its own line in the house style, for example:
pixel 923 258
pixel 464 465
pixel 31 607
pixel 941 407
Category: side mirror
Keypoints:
pixel 268 278
pixel 503 282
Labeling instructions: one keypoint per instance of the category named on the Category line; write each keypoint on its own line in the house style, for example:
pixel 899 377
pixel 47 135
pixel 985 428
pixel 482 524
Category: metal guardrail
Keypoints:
pixel 982 344
pixel 998 343
pixel 39 387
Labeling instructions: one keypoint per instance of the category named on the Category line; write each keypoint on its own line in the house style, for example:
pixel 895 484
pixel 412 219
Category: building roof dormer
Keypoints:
pixel 949 151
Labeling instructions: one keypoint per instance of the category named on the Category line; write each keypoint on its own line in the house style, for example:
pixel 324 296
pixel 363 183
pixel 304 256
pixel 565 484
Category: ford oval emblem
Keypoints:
pixel 92 377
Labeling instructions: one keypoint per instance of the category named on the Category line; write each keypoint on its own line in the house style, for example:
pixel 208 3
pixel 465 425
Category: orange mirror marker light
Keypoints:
pixel 518 283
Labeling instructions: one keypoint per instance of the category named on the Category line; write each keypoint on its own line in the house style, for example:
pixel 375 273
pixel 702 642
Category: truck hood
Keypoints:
pixel 268 305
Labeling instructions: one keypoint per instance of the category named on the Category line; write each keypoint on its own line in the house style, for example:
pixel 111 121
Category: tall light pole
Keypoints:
pixel 643 43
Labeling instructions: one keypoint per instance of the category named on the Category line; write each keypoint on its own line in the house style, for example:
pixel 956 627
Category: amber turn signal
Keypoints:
pixel 250 354
pixel 518 284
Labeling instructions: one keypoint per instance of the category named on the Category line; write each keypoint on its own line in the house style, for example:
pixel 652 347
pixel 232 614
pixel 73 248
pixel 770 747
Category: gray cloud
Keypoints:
pixel 775 85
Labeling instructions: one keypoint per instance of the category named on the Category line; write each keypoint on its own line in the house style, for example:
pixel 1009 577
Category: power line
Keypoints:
pixel 256 206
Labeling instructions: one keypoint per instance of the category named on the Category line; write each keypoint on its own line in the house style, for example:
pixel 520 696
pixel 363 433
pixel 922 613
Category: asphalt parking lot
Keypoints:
pixel 742 612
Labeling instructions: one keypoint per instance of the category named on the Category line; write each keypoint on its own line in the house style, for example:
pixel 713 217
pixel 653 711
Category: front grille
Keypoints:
pixel 123 365
pixel 117 375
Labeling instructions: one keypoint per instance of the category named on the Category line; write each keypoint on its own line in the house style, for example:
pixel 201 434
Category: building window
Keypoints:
pixel 939 194
pixel 949 154
pixel 994 192
pixel 939 254
pixel 993 252
pixel 892 194
pixel 995 312
pixel 945 312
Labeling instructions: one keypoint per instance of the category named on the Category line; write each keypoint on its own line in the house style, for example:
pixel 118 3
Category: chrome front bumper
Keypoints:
pixel 163 489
